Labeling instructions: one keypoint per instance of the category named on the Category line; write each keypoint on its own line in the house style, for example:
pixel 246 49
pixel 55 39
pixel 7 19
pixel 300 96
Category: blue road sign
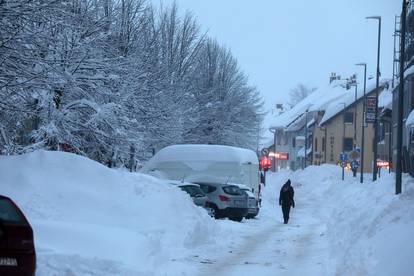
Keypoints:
pixel 354 164
pixel 343 156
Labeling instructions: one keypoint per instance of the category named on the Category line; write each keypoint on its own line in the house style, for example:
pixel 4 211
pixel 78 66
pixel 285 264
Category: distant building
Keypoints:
pixel 294 129
pixel 339 130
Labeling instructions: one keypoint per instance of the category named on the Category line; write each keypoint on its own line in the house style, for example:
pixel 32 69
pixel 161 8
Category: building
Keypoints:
pixel 408 100
pixel 339 130
pixel 294 129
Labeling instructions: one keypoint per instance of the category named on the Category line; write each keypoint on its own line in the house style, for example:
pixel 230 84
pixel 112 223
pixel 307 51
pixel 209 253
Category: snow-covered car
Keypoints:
pixel 253 203
pixel 206 163
pixel 226 200
pixel 17 251
pixel 197 195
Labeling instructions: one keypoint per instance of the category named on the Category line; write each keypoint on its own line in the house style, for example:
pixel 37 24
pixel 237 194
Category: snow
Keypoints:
pixel 385 98
pixel 347 100
pixel 205 153
pixel 410 119
pixel 91 220
pixel 301 152
pixel 409 71
pixel 337 228
pixel 316 101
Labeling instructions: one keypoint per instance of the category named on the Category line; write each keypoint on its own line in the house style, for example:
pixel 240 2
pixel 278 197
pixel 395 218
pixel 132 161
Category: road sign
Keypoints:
pixel 265 151
pixel 343 156
pixel 370 107
pixel 354 154
pixel 343 164
pixel 354 164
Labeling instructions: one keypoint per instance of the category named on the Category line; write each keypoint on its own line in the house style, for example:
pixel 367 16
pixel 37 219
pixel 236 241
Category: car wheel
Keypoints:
pixel 212 212
pixel 215 212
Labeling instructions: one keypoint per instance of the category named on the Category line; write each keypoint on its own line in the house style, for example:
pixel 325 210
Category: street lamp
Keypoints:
pixel 306 135
pixel 375 170
pixel 274 131
pixel 363 121
pixel 398 169
pixel 343 140
pixel 352 82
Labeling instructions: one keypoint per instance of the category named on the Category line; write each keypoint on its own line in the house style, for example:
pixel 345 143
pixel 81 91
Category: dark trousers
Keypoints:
pixel 286 211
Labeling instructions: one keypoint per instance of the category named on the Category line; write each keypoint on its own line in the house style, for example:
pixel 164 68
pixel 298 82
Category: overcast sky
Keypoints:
pixel 280 43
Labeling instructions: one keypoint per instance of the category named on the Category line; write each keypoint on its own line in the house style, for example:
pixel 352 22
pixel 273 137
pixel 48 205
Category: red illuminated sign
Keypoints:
pixel 282 156
pixel 382 164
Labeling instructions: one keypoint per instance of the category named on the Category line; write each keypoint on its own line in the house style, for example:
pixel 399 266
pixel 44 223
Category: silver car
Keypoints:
pixel 197 195
pixel 226 200
pixel 253 203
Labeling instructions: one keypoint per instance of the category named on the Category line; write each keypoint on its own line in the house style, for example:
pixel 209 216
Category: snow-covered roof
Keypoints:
pixel 316 101
pixel 311 123
pixel 204 153
pixel 409 71
pixel 385 98
pixel 301 152
pixel 410 119
pixel 348 99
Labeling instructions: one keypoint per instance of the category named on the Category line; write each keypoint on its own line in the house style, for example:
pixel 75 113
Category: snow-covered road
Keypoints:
pixel 83 212
pixel 268 247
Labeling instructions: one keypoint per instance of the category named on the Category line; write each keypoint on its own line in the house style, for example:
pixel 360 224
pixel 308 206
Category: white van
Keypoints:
pixel 206 163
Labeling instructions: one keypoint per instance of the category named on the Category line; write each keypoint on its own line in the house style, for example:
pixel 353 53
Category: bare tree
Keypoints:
pixel 298 93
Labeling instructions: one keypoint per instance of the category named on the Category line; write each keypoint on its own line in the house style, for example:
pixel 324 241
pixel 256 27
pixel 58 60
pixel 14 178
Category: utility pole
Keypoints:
pixel 398 161
pixel 375 170
pixel 363 122
pixel 306 135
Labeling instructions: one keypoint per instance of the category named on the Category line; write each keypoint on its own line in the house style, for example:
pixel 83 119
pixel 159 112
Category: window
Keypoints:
pixel 348 144
pixel 323 144
pixel 349 118
pixel 193 191
pixel 8 212
pixel 316 144
pixel 279 138
pixel 207 188
pixel 232 190
pixel 294 142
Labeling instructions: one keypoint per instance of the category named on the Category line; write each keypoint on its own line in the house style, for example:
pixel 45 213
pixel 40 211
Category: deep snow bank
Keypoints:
pixel 91 220
pixel 369 228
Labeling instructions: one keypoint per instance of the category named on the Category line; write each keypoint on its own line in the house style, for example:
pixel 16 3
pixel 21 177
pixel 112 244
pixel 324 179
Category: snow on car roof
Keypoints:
pixel 182 183
pixel 205 153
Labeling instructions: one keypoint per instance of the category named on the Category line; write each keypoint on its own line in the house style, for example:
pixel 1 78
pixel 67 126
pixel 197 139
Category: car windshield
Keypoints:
pixel 192 190
pixel 8 212
pixel 232 190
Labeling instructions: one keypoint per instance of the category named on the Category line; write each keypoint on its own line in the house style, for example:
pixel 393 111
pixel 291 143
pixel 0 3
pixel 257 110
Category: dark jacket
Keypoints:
pixel 286 197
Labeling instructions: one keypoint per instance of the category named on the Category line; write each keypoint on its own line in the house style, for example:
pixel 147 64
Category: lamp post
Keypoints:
pixel 274 131
pixel 398 162
pixel 343 141
pixel 363 122
pixel 306 135
pixel 375 170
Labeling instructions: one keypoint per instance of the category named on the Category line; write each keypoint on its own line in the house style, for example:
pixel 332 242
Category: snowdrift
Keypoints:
pixel 91 220
pixel 369 229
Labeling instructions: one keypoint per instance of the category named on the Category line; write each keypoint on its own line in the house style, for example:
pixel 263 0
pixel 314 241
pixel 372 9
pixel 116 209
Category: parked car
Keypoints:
pixel 226 200
pixel 17 250
pixel 253 203
pixel 198 196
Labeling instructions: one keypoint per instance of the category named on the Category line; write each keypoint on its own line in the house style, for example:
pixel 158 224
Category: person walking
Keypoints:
pixel 286 200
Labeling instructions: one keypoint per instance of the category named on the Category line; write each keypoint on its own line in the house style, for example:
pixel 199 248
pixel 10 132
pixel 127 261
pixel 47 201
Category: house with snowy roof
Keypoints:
pixel 339 128
pixel 293 130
